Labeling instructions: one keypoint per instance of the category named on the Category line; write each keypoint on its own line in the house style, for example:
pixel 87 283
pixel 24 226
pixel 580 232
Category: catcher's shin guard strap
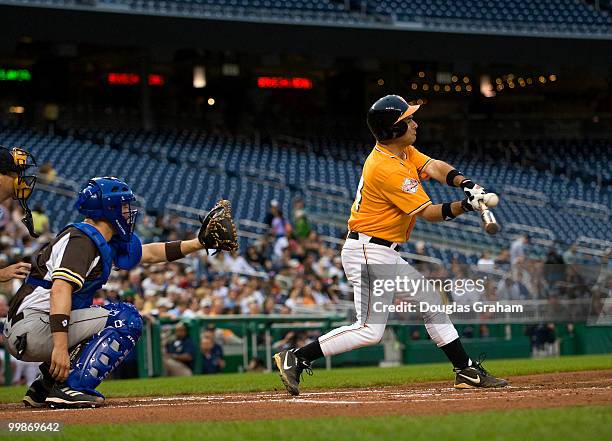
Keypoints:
pixel 107 349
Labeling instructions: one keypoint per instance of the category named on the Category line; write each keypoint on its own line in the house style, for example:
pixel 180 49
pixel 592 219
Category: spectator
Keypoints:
pixel 276 220
pixel 182 310
pixel 40 220
pixel 301 225
pixel 570 256
pixel 518 249
pixel 47 174
pixel 485 263
pixel 238 264
pixel 554 269
pixel 163 307
pixel 510 289
pixel 212 355
pixel 178 360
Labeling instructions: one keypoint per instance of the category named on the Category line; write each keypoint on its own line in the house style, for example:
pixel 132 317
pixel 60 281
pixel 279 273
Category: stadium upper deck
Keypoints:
pixel 512 17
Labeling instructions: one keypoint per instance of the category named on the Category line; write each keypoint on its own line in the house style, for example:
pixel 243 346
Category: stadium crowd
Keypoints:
pixel 287 270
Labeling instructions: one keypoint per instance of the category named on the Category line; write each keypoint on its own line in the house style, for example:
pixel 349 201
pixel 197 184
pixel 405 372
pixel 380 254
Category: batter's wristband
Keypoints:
pixel 59 322
pixel 467 183
pixel 465 204
pixel 450 177
pixel 447 212
pixel 173 251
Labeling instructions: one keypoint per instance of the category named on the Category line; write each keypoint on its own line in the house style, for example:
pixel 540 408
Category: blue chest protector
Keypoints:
pixel 83 298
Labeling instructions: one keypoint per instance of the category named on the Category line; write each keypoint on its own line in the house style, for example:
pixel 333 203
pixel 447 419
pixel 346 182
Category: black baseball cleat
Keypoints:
pixel 290 368
pixel 39 390
pixel 62 396
pixel 476 376
pixel 36 394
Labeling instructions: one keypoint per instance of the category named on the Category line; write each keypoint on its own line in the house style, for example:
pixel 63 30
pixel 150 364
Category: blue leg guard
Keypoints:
pixel 106 349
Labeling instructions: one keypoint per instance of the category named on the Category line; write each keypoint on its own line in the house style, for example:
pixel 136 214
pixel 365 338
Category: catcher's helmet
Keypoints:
pixel 386 117
pixel 19 161
pixel 103 198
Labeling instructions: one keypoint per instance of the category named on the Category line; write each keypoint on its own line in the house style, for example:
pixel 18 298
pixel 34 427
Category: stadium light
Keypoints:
pixel 199 77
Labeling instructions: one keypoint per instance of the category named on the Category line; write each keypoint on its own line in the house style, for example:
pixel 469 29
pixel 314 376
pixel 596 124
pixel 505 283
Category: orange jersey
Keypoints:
pixel 390 194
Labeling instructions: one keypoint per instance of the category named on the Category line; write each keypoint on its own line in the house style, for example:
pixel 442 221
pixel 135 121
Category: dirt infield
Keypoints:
pixel 533 391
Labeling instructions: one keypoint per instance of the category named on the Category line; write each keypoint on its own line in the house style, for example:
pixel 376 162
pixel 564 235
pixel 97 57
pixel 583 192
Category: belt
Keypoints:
pixel 376 240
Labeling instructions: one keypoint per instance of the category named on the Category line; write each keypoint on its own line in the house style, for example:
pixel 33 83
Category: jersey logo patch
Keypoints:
pixel 410 185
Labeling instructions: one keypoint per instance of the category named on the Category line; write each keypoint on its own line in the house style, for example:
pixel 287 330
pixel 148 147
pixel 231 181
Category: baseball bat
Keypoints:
pixel 488 219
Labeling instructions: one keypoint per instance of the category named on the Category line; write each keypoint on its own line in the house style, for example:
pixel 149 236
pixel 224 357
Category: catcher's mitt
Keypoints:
pixel 218 230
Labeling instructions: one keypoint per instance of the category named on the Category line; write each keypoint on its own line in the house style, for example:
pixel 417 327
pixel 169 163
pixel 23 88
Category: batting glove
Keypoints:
pixel 473 203
pixel 470 189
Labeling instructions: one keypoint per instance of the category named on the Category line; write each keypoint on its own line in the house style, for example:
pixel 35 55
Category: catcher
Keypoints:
pixel 51 318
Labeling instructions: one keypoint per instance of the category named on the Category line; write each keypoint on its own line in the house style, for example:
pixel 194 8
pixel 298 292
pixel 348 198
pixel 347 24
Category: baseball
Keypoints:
pixel 491 200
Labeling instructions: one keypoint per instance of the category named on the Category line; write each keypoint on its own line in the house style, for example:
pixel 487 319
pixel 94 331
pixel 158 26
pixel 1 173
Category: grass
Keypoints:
pixel 335 378
pixel 567 424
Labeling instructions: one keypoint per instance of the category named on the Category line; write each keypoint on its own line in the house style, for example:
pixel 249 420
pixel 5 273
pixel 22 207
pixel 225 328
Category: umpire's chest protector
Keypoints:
pixel 83 298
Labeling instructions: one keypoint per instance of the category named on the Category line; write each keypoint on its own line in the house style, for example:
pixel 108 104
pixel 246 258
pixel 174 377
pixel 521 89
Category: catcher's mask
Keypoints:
pixel 109 199
pixel 19 161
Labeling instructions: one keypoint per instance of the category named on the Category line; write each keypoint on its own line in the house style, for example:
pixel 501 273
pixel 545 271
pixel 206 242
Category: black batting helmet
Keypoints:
pixel 386 117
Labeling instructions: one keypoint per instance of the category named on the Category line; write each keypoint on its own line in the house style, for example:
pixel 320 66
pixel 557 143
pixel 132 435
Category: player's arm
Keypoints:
pixel 439 170
pixel 71 266
pixel 217 232
pixel 445 173
pixel 59 319
pixel 449 210
pixel 158 252
pixel 18 270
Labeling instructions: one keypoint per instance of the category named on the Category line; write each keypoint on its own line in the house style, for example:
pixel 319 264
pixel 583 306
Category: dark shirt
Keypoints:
pixel 71 256
pixel 184 346
pixel 210 362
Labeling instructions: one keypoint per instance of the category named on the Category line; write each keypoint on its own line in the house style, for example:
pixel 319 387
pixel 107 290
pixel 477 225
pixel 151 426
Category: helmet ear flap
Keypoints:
pixel 395 131
pixel 399 129
pixel 83 196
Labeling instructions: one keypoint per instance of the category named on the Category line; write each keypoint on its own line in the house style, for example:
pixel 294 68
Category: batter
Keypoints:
pixel 389 200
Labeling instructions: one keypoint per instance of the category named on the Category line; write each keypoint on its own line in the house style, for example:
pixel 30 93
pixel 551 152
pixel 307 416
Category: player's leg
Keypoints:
pixel 94 359
pixel 438 324
pixel 30 339
pixel 368 328
pixel 39 390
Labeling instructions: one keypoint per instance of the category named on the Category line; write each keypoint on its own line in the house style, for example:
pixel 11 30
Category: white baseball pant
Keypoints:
pixel 369 326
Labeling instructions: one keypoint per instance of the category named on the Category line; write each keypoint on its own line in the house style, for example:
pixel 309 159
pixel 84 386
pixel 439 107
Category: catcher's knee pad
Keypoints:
pixel 106 349
pixel 125 318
